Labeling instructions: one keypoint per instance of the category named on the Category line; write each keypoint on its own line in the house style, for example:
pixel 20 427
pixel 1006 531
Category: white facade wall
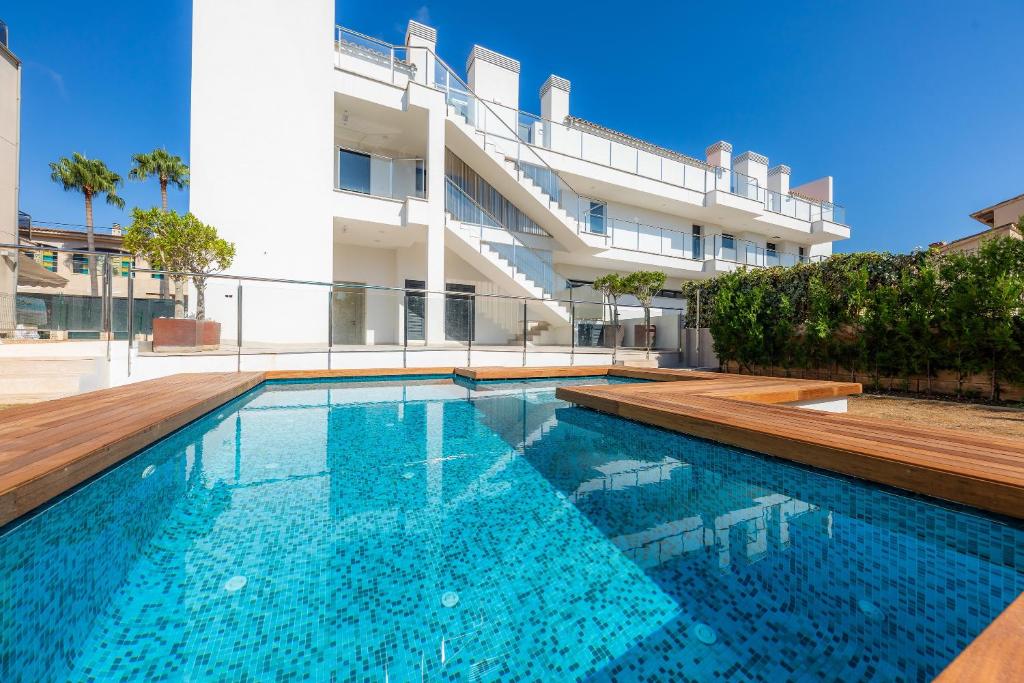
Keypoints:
pixel 265 173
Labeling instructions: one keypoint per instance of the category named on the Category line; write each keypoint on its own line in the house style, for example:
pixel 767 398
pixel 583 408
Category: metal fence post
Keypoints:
pixel 330 324
pixel 525 326
pixel 472 330
pixel 697 328
pixel 238 326
pixel 108 300
pixel 131 316
pixel 572 328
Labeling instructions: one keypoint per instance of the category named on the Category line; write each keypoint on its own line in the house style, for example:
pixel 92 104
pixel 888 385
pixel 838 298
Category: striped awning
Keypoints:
pixel 31 274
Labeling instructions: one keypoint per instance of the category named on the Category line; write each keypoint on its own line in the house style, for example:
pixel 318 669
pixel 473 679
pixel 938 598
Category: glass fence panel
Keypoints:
pixel 58 295
pixel 548 325
pixel 649 239
pixel 631 322
pixel 284 317
pixel 497 322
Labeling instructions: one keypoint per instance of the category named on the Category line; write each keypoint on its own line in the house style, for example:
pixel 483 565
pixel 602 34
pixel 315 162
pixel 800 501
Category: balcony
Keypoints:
pixel 377 189
pixel 522 135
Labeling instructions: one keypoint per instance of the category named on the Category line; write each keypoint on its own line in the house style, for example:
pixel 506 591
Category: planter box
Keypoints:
pixel 607 340
pixel 638 335
pixel 182 334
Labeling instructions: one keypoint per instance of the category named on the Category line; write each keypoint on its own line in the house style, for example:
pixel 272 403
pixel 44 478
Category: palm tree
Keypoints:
pixel 168 168
pixel 91 177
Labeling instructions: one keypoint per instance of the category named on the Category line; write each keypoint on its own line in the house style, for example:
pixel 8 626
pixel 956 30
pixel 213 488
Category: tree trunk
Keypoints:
pixel 179 297
pixel 163 194
pixel 200 283
pixel 90 241
pixel 647 333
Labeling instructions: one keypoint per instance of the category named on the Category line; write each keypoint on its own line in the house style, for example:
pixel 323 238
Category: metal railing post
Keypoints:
pixel 405 328
pixel 131 316
pixel 472 329
pixel 572 328
pixel 330 324
pixel 696 344
pixel 108 303
pixel 238 329
pixel 525 326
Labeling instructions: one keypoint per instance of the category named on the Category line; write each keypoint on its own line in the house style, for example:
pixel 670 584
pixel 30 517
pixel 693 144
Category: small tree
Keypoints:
pixel 644 284
pixel 612 286
pixel 180 244
pixel 167 168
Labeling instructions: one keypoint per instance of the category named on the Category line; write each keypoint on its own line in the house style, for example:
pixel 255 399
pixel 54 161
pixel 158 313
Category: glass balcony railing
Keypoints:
pixel 533 264
pixel 515 133
pixel 747 253
pixel 380 176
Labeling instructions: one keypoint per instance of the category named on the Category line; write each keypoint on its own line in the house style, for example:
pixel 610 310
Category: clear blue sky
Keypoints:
pixel 916 108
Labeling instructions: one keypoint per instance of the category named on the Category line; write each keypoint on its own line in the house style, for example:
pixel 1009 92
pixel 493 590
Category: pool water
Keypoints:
pixel 451 531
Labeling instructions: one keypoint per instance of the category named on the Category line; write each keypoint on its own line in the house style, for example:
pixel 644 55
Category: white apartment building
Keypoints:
pixel 330 156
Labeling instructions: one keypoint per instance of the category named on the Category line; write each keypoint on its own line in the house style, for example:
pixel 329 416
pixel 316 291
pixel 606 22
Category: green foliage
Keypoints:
pixel 180 244
pixel 91 177
pixel 644 284
pixel 167 168
pixel 880 315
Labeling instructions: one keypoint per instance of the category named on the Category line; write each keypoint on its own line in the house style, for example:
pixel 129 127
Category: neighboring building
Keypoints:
pixel 10 112
pixel 57 297
pixel 1000 221
pixel 41 242
pixel 354 161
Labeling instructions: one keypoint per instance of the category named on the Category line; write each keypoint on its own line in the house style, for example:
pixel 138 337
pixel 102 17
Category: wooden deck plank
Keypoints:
pixel 49 448
pixel 995 655
pixel 356 372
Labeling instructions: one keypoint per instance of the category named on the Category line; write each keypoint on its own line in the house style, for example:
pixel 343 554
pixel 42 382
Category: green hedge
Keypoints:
pixel 881 315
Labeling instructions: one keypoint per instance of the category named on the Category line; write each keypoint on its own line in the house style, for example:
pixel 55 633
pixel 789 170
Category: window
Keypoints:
pixel 698 244
pixel 157 276
pixel 801 251
pixel 595 217
pixel 728 241
pixel 354 171
pixel 80 264
pixel 770 248
pixel 47 259
pixel 122 266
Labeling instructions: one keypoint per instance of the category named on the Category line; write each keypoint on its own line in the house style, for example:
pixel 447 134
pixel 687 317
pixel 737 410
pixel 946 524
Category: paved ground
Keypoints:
pixel 982 419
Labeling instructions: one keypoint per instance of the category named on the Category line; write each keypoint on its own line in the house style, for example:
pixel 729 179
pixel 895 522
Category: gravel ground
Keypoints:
pixel 970 417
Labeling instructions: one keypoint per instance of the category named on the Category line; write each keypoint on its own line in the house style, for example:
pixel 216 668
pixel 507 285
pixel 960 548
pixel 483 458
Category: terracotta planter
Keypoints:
pixel 638 335
pixel 183 334
pixel 608 340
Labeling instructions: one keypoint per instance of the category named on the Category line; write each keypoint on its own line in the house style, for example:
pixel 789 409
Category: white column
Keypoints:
pixel 778 179
pixel 495 79
pixel 435 280
pixel 554 106
pixel 754 165
pixel 10 125
pixel 422 43
pixel 719 155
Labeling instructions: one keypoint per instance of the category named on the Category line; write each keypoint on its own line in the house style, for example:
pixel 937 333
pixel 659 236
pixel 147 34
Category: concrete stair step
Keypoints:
pixel 21 364
pixel 28 383
pixel 36 397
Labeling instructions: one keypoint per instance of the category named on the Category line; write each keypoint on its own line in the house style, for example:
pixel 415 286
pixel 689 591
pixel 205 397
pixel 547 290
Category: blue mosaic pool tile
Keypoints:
pixel 425 530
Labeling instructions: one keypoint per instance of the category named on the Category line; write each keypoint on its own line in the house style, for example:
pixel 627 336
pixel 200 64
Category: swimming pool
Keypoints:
pixel 438 530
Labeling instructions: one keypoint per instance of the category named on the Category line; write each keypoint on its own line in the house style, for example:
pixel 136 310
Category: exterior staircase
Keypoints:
pixel 492 157
pixel 27 379
pixel 465 241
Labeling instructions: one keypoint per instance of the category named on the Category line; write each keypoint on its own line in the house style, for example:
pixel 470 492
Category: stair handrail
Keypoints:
pixel 520 143
pixel 514 136
pixel 516 241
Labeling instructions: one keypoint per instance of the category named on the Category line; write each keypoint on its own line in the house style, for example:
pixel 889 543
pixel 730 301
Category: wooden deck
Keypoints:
pixel 50 447
pixel 976 470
